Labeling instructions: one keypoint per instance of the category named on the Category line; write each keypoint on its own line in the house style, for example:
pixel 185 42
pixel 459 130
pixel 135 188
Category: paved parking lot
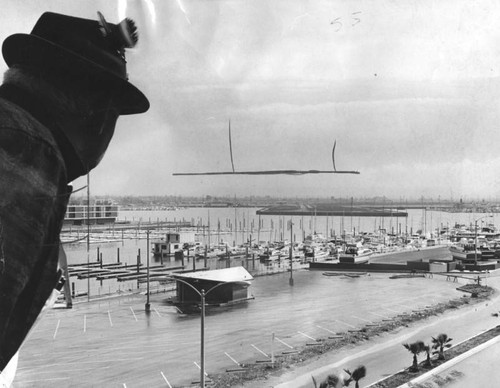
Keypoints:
pixel 113 343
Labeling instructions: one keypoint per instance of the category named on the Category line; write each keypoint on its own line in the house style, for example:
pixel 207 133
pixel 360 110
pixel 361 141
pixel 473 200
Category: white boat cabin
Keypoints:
pixel 169 246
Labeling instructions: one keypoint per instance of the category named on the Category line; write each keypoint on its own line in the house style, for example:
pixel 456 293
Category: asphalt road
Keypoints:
pixel 385 355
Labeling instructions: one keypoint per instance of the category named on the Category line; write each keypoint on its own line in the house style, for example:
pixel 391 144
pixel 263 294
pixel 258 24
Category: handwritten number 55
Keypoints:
pixel 338 24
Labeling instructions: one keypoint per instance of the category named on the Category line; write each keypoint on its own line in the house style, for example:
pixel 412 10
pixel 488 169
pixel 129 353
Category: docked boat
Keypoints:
pixel 355 254
pixel 316 253
pixel 275 255
pixel 465 252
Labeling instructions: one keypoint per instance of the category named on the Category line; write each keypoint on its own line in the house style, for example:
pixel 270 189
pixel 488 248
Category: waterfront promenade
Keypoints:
pixel 385 355
pixel 114 343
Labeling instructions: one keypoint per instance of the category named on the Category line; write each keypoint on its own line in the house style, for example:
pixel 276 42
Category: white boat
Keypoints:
pixel 321 255
pixel 317 253
pixel 465 252
pixel 275 255
pixel 354 254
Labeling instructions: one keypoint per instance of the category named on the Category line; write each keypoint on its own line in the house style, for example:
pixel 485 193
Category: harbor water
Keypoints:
pixel 231 226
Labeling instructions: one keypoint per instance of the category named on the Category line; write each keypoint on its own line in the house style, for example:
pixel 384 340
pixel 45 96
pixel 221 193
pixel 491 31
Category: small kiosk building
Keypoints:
pixel 221 286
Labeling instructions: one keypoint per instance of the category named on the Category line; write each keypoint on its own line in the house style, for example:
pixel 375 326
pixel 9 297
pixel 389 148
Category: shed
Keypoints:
pixel 221 286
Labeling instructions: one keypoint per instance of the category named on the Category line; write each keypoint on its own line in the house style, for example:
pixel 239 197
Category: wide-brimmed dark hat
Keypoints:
pixel 76 46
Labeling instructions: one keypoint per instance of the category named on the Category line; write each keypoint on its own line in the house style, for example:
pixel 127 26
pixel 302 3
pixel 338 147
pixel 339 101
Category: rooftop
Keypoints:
pixel 225 275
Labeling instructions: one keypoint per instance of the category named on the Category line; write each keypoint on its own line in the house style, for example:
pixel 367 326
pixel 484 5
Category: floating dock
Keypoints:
pixel 330 210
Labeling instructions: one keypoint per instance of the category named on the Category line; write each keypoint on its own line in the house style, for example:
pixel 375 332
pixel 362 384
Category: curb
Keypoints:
pixel 447 364
pixel 450 363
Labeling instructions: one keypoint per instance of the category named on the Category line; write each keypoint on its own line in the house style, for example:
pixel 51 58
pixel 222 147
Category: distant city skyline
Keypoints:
pixel 81 197
pixel 409 90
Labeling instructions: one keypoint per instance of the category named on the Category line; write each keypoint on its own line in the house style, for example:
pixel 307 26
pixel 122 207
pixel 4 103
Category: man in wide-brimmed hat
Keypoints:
pixel 63 92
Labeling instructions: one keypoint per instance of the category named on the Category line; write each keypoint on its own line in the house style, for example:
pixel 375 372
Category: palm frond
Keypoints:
pixel 359 373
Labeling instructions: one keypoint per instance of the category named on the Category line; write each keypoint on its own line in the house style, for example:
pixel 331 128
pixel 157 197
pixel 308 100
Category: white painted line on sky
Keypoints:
pixel 135 317
pixel 84 323
pixel 361 319
pixel 284 343
pixel 158 314
pixel 260 351
pixel 232 359
pixel 164 378
pixel 345 323
pixel 324 328
pixel 57 328
pixel 199 367
pixel 124 385
pixel 305 335
pixel 380 315
pixel 110 321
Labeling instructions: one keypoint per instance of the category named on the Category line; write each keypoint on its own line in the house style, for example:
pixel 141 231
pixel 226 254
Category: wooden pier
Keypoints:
pixel 121 272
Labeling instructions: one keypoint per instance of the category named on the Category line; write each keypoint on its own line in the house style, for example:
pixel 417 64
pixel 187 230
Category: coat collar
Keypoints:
pixel 33 106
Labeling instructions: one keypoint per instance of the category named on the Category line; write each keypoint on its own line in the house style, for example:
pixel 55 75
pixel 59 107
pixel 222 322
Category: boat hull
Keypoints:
pixel 354 259
pixel 465 255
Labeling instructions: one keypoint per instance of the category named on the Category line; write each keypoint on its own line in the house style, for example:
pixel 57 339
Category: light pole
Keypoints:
pixel 202 295
pixel 291 253
pixel 148 305
pixel 475 237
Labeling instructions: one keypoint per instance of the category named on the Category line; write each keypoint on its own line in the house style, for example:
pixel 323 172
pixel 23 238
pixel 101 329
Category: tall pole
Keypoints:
pixel 258 232
pixel 291 253
pixel 475 242
pixel 202 295
pixel 148 306
pixel 235 226
pixel 209 229
pixel 88 237
pixel 352 203
pixel 202 355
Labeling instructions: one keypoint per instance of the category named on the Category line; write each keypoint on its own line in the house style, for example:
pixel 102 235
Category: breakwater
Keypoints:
pixel 331 210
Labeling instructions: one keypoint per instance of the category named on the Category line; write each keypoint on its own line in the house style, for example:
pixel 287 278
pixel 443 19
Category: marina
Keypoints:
pixel 111 271
pixel 227 237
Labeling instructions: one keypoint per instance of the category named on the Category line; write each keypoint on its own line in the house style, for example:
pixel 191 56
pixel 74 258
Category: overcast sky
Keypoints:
pixel 409 89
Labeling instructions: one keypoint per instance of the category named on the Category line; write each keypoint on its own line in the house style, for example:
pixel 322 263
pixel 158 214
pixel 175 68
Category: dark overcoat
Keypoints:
pixel 33 199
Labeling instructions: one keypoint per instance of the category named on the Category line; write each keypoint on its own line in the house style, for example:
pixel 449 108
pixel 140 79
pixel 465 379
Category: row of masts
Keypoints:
pixel 262 229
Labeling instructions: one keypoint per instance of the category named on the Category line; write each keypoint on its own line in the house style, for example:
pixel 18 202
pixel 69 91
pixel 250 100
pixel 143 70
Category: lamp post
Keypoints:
pixel 475 237
pixel 202 295
pixel 148 305
pixel 291 253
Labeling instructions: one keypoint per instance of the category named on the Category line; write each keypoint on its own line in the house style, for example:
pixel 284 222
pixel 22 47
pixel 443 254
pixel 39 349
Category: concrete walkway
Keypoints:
pixel 385 355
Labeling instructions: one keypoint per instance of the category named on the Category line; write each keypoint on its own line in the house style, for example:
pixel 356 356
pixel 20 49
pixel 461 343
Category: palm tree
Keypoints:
pixel 415 348
pixel 427 350
pixel 441 342
pixel 330 382
pixel 356 375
